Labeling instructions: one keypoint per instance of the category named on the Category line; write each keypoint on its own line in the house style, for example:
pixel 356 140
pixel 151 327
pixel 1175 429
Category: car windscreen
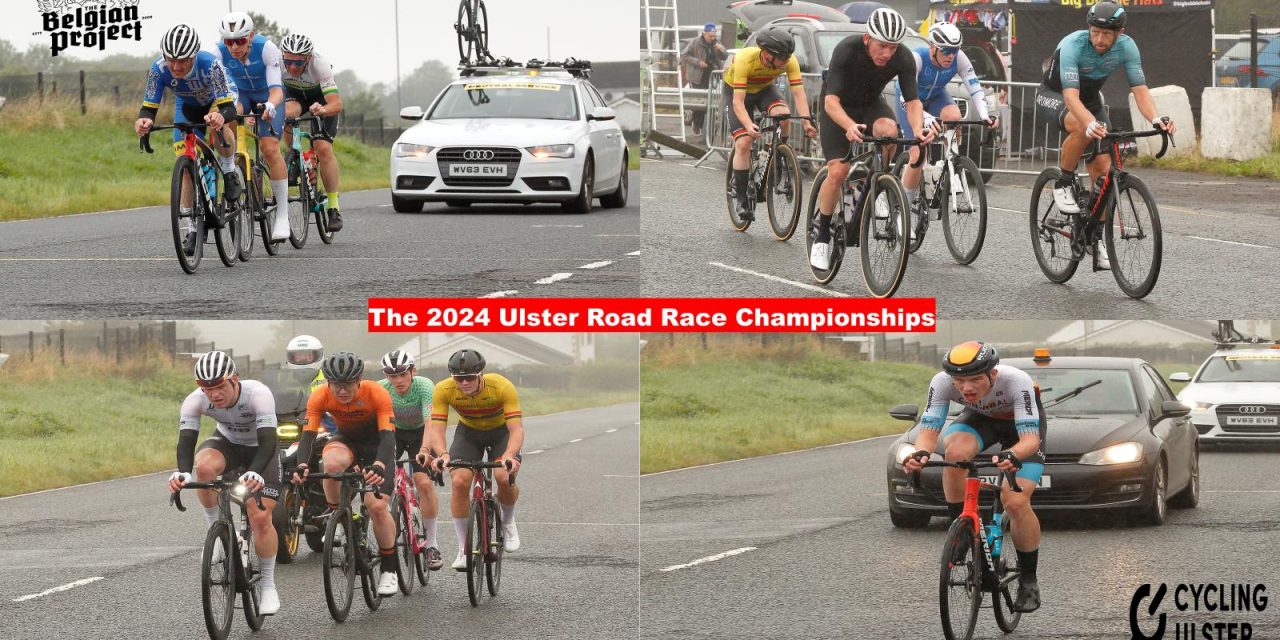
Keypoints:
pixel 514 99
pixel 1114 395
pixel 1241 368
pixel 1240 50
pixel 827 41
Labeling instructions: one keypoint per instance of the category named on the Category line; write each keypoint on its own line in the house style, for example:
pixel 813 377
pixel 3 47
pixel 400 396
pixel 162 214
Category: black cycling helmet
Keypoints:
pixel 970 359
pixel 342 366
pixel 1107 15
pixel 777 41
pixel 466 363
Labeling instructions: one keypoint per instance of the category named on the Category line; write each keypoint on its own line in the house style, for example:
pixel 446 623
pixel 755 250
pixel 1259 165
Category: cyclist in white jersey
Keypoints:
pixel 245 412
pixel 309 84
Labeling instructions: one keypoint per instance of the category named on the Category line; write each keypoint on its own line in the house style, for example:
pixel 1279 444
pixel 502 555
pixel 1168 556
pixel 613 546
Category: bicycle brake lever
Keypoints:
pixel 144 143
pixel 176 501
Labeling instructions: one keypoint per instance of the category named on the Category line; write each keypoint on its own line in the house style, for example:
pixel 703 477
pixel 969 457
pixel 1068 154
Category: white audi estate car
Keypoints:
pixel 1235 395
pixel 518 135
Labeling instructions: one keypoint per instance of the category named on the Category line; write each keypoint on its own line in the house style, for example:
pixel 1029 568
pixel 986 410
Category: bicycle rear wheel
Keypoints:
pixel 190 222
pixel 250 203
pixel 959 584
pixel 920 212
pixel 465 27
pixel 1007 574
pixel 225 236
pixel 964 215
pixel 339 565
pixel 266 219
pixel 218 581
pixel 731 196
pixel 823 276
pixel 419 559
pixel 493 562
pixel 372 561
pixel 474 550
pixel 1051 231
pixel 404 546
pixel 1134 240
pixel 298 212
pixel 883 240
pixel 783 192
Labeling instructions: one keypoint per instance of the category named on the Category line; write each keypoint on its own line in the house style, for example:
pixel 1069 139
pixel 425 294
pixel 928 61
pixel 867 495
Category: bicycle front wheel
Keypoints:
pixel 420 559
pixel 783 192
pixel 960 580
pixel 1007 575
pixel 493 562
pixel 731 197
pixel 339 559
pixel 1051 231
pixel 266 219
pixel 191 222
pixel 404 544
pixel 883 239
pixel 964 211
pixel 474 550
pixel 297 210
pixel 823 276
pixel 251 593
pixel 371 573
pixel 920 212
pixel 218 581
pixel 1134 239
pixel 226 235
pixel 465 27
pixel 250 205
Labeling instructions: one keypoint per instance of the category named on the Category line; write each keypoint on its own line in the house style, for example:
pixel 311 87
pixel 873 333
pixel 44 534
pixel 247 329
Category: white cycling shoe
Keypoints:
pixel 460 563
pixel 1104 263
pixel 270 602
pixel 389 584
pixel 820 256
pixel 280 230
pixel 510 538
pixel 1065 199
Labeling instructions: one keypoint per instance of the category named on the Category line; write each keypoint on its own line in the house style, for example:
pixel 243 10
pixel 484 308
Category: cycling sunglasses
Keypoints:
pixel 466 378
pixel 948 51
pixel 239 42
pixel 295 63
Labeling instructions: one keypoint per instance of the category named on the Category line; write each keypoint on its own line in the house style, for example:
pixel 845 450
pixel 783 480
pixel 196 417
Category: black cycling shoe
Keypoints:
pixel 1028 596
pixel 745 214
pixel 189 244
pixel 232 181
pixel 335 220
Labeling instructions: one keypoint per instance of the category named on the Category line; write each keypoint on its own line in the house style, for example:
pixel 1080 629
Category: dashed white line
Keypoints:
pixel 1243 244
pixel 718 556
pixel 614 476
pixel 575 440
pixel 597 265
pixel 807 287
pixel 556 226
pixel 533 452
pixel 555 277
pixel 610 430
pixel 634 253
pixel 69 585
pixel 500 294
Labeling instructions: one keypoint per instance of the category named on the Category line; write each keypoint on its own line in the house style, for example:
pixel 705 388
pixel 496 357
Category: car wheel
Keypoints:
pixel 618 198
pixel 402 205
pixel 1153 513
pixel 909 519
pixel 1190 497
pixel 459 204
pixel 586 193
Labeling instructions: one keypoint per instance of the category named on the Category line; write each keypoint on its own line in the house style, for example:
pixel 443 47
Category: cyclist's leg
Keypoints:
pixel 834 146
pixel 211 461
pixel 910 175
pixel 961 440
pixel 338 454
pixel 1026 526
pixel 508 493
pixel 269 143
pixel 264 532
pixel 410 442
pixel 463 448
pixel 384 526
pixel 292 109
pixel 883 123
pixel 773 104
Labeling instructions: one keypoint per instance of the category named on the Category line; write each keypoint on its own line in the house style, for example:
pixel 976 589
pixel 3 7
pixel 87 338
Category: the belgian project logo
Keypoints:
pixel 89 23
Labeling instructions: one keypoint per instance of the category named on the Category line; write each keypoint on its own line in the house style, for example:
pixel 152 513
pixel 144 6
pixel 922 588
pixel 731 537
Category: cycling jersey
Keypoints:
pixel 1076 65
pixel 491 407
pixel 254 409
pixel 854 77
pixel 206 84
pixel 1012 397
pixel 260 70
pixel 747 73
pixel 315 81
pixel 931 81
pixel 368 413
pixel 412 408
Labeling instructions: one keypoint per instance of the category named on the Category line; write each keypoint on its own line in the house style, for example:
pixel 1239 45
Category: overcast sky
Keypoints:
pixel 361 35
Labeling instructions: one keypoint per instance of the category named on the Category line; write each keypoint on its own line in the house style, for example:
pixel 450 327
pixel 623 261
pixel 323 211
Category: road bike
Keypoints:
pixel 773 176
pixel 484 544
pixel 235 570
pixel 951 190
pixel 1122 215
pixel 311 200
pixel 871 214
pixel 472 28
pixel 196 181
pixel 349 547
pixel 411 545
pixel 257 206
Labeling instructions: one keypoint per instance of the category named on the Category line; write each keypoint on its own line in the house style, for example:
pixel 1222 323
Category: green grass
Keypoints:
pixel 633 157
pixel 535 402
pixel 54 161
pixel 726 406
pixel 1267 166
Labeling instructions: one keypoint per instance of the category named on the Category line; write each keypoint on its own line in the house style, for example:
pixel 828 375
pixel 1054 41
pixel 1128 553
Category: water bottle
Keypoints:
pixel 851 197
pixel 244 550
pixel 210 179
pixel 932 174
pixel 309 158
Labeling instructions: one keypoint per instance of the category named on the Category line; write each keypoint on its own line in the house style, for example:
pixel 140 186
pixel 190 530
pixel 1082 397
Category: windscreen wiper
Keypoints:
pixel 1071 394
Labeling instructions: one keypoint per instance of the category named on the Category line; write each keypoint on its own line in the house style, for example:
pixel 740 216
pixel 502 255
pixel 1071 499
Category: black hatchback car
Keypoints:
pixel 1117 440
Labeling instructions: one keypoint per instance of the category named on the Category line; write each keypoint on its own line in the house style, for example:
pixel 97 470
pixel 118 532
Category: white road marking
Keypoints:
pixel 718 556
pixel 634 253
pixel 500 294
pixel 555 277
pixel 557 226
pixel 575 440
pixel 382 205
pixel 613 476
pixel 1243 244
pixel 585 524
pixel 610 430
pixel 86 484
pixel 84 259
pixel 69 585
pixel 1240 490
pixel 533 452
pixel 807 287
pixel 597 265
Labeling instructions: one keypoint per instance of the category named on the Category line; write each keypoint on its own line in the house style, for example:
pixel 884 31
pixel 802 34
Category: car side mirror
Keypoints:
pixel 602 114
pixel 411 113
pixel 1174 409
pixel 1181 376
pixel 905 412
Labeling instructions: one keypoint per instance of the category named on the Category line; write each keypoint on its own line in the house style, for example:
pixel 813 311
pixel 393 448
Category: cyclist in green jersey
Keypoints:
pixel 411 403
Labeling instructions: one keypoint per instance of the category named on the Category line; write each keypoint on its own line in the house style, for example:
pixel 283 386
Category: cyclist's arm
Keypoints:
pixel 154 93
pixel 386 426
pixel 332 104
pixel 1076 107
pixel 977 96
pixel 796 81
pixel 1027 445
pixel 915 55
pixel 1026 419
pixel 315 413
pixel 264 408
pixel 188 431
pixel 271 60
pixel 515 439
pixel 801 102
pixel 515 420
pixel 1146 104
pixel 436 436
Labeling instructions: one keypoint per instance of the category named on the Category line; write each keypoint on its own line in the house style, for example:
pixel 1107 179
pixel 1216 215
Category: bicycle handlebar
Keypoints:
pixel 474 466
pixel 257 113
pixel 217 485
pixel 144 142
pixel 963 123
pixel 343 476
pixel 972 465
pixel 1167 138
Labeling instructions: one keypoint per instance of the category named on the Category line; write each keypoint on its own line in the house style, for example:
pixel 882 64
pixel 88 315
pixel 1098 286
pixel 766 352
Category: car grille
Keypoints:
pixel 451 155
pixel 1046 497
pixel 1225 411
pixel 1061 458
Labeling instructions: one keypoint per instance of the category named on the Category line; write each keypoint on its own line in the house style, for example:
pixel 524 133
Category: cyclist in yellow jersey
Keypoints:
pixel 748 87
pixel 488 421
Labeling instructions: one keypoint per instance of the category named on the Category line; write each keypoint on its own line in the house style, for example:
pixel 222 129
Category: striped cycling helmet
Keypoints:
pixel 467 362
pixel 945 34
pixel 213 368
pixel 236 25
pixel 297 44
pixel 887 25
pixel 342 366
pixel 970 359
pixel 396 362
pixel 180 42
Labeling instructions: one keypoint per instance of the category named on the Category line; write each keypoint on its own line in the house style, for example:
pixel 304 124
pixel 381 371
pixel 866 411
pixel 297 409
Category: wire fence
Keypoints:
pixel 143 340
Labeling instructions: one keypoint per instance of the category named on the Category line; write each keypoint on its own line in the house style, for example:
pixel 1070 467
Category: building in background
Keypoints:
pixel 503 350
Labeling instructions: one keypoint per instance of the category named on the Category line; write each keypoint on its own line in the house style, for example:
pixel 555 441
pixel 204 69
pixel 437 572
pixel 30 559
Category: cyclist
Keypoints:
pixel 365 438
pixel 851 102
pixel 1071 96
pixel 1001 405
pixel 253 62
pixel 245 438
pixel 411 403
pixel 936 64
pixel 748 88
pixel 309 85
pixel 489 420
pixel 306 352
pixel 202 91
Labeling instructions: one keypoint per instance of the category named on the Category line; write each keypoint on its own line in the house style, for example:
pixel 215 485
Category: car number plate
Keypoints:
pixel 1227 81
pixel 478 170
pixel 1252 420
pixel 1044 481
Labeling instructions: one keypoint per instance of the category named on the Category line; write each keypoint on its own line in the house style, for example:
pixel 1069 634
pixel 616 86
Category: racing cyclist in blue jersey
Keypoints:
pixel 202 92
pixel 253 63
pixel 1071 96
pixel 1001 405
pixel 936 64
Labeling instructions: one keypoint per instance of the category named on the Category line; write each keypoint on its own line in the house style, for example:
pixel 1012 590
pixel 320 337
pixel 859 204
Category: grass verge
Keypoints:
pixel 1267 166
pixel 633 157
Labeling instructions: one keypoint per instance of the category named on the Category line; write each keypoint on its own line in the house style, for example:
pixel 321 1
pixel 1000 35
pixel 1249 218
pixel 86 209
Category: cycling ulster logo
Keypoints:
pixel 1198 610
pixel 89 23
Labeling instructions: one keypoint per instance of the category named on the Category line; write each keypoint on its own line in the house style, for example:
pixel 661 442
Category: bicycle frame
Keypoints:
pixel 409 500
pixel 226 496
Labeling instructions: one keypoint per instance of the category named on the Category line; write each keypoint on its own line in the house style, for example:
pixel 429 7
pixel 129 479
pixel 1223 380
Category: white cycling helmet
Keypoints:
pixel 887 25
pixel 396 362
pixel 297 44
pixel 945 34
pixel 304 350
pixel 214 367
pixel 236 25
pixel 180 42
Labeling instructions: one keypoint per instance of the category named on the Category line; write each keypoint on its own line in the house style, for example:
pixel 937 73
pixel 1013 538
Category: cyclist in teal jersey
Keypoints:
pixel 411 403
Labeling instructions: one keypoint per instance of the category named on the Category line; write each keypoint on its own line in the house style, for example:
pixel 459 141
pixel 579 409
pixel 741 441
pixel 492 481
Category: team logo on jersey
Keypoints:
pixel 89 23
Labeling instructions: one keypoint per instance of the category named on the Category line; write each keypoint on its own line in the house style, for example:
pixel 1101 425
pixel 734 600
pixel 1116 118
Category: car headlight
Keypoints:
pixel 551 151
pixel 1197 405
pixel 1122 453
pixel 286 431
pixel 405 150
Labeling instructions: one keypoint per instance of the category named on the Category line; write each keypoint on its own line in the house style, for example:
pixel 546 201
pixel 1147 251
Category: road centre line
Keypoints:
pixel 807 287
pixel 1243 244
pixel 500 294
pixel 65 587
pixel 533 452
pixel 718 556
pixel 610 430
pixel 597 265
pixel 555 277
pixel 634 253
pixel 575 440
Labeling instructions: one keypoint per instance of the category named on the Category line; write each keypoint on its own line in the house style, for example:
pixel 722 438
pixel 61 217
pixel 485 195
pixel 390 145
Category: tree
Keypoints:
pixel 419 88
pixel 267 27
